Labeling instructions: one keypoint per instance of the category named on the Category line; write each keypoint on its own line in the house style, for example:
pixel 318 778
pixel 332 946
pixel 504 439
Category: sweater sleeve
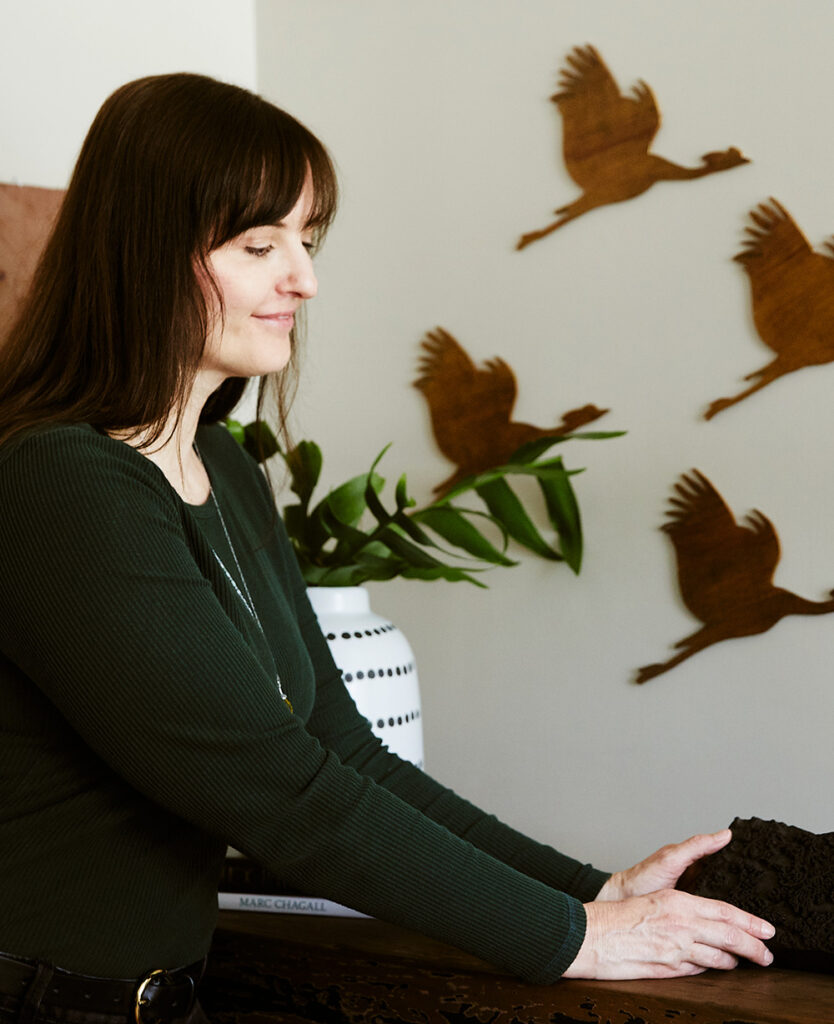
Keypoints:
pixel 104 607
pixel 340 727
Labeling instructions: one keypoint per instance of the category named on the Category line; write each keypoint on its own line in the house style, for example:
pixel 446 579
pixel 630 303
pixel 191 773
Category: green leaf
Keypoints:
pixel 403 500
pixel 563 510
pixel 408 526
pixel 533 449
pixel 304 463
pixel 349 536
pixel 236 429
pixel 441 572
pixel 505 506
pixel 333 548
pixel 455 528
pixel 299 528
pixel 374 504
pixel 347 502
pixel 259 441
pixel 410 552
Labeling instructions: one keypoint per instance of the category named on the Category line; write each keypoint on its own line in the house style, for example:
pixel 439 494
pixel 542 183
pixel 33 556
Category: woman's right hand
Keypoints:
pixel 667 934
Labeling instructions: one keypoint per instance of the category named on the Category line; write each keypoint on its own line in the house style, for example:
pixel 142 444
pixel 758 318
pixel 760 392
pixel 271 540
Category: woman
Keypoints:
pixel 166 689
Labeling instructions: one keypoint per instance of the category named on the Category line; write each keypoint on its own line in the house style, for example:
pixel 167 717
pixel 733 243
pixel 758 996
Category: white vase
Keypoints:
pixel 377 664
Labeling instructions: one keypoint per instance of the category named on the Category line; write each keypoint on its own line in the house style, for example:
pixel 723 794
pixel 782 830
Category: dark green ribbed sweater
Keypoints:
pixel 141 731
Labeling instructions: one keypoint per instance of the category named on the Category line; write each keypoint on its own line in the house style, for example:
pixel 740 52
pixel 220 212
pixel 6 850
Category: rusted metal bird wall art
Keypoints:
pixel 26 218
pixel 792 294
pixel 725 571
pixel 471 408
pixel 606 138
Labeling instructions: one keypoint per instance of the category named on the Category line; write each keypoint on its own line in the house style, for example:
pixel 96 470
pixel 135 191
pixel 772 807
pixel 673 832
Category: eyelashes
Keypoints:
pixel 259 251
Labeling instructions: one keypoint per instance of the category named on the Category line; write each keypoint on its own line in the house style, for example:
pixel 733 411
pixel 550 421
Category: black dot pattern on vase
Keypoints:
pixel 380 673
pixel 391 722
pixel 359 634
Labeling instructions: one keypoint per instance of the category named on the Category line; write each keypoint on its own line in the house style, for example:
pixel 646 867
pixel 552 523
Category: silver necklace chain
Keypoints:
pixel 244 595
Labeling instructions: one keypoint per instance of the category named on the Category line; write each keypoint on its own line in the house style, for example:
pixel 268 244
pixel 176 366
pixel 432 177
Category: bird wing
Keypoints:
pixel 470 408
pixel 761 545
pixel 448 374
pixel 719 562
pixel 792 287
pixel 698 515
pixel 595 116
pixel 443 357
pixel 774 239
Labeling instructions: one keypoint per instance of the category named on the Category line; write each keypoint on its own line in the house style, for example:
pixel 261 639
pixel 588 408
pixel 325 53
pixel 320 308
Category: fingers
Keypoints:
pixel 710 958
pixel 696 847
pixel 735 931
pixel 663 869
pixel 668 934
pixel 720 933
pixel 704 845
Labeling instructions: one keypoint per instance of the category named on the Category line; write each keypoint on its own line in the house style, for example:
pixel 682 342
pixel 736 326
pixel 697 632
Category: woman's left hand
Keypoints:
pixel 662 869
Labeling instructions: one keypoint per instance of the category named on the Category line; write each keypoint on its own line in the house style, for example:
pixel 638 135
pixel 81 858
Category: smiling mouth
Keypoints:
pixel 279 319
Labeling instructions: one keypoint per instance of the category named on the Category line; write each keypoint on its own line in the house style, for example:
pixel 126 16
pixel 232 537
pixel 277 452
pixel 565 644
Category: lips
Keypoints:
pixel 278 319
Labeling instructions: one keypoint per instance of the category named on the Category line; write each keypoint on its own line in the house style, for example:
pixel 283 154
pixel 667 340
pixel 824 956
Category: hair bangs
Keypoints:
pixel 266 177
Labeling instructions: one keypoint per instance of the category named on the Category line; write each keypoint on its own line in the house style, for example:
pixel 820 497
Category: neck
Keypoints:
pixel 173 451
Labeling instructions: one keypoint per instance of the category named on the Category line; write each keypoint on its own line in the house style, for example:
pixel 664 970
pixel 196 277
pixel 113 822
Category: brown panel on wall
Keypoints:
pixel 471 409
pixel 606 138
pixel 26 218
pixel 725 571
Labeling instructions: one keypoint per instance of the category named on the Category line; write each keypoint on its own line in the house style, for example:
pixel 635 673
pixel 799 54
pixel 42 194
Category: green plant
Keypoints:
pixel 349 537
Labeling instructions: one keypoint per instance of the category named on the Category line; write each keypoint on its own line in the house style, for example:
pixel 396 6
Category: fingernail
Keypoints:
pixel 768 958
pixel 768 931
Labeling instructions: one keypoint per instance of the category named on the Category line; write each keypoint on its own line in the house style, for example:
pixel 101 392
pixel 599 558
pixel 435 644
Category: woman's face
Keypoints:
pixel 264 275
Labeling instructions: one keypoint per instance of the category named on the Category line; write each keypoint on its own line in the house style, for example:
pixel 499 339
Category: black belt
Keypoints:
pixel 157 998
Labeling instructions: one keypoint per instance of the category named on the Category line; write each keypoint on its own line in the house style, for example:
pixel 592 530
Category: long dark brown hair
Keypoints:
pixel 115 322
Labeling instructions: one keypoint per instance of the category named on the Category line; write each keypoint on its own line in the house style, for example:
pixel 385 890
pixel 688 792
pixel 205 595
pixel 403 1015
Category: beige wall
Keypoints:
pixel 439 119
pixel 438 116
pixel 59 61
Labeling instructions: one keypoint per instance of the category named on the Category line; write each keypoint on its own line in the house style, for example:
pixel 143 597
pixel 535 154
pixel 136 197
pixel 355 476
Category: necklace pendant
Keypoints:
pixel 283 695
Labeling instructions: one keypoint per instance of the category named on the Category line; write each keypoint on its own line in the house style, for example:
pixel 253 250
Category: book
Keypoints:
pixel 284 904
pixel 245 885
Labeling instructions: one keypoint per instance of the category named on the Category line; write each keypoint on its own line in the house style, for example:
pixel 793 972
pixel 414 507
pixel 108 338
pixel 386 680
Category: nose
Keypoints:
pixel 300 278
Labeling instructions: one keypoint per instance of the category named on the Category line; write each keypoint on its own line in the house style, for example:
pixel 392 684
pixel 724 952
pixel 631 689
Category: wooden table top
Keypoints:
pixel 361 956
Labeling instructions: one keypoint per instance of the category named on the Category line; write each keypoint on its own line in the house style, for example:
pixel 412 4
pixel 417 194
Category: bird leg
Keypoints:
pixel 534 236
pixel 564 214
pixel 766 376
pixel 690 644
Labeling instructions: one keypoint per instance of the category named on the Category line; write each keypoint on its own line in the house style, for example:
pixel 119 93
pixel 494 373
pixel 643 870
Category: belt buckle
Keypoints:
pixel 140 999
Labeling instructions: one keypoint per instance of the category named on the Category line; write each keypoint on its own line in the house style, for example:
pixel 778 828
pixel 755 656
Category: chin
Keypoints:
pixel 273 361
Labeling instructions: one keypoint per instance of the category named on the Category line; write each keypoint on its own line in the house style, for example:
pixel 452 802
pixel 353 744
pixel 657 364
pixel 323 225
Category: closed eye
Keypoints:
pixel 258 250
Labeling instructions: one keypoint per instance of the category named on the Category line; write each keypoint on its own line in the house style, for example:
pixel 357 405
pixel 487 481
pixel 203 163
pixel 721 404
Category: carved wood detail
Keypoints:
pixel 471 408
pixel 792 293
pixel 606 138
pixel 725 571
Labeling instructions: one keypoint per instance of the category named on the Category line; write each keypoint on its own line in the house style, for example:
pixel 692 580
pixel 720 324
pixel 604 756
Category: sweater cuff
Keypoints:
pixel 568 950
